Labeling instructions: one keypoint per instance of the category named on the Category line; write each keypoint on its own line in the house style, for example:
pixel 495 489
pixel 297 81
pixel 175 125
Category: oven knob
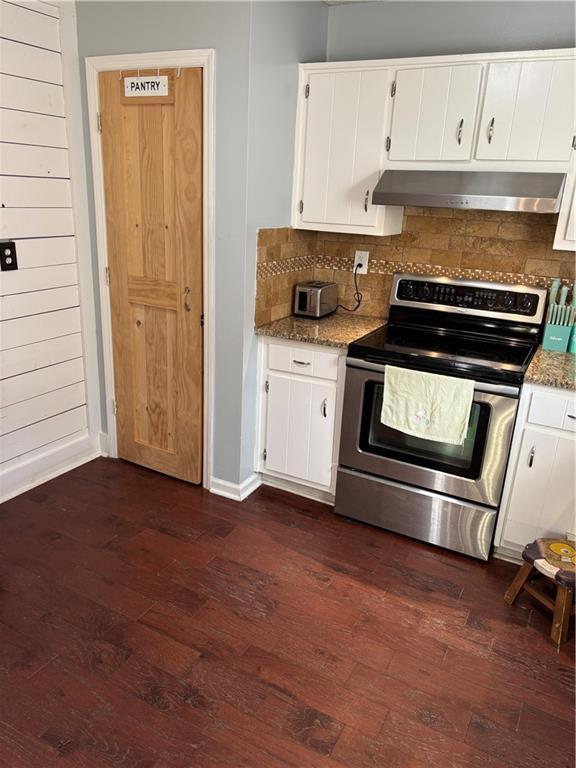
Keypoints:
pixel 508 301
pixel 425 292
pixel 408 290
pixel 525 302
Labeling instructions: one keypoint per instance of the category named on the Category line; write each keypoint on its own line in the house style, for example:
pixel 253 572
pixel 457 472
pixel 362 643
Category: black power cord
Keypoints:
pixel 357 293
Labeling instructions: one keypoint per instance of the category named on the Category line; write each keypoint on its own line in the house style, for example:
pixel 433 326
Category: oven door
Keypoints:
pixel 473 471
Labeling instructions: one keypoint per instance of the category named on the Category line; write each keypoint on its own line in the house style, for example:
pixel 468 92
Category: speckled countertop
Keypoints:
pixel 552 369
pixel 337 330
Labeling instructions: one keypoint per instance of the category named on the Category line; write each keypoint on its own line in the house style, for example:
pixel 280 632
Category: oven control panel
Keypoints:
pixel 481 297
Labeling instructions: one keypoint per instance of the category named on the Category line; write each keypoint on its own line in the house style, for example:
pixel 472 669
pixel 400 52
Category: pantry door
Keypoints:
pixel 152 152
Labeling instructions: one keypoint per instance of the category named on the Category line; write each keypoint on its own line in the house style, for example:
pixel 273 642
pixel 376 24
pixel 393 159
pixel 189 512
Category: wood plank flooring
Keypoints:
pixel 145 623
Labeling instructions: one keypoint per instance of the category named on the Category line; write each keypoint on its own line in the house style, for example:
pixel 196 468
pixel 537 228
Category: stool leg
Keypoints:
pixel 519 581
pixel 562 611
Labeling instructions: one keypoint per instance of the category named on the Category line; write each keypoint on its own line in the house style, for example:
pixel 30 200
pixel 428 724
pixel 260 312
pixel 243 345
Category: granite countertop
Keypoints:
pixel 337 330
pixel 552 369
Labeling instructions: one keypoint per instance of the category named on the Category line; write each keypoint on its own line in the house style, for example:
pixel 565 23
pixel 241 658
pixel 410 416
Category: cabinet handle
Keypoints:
pixel 300 362
pixel 531 456
pixel 460 128
pixel 571 416
pixel 324 407
pixel 573 142
pixel 491 130
pixel 366 199
pixel 187 306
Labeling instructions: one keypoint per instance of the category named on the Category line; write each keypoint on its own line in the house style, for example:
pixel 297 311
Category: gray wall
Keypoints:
pixel 388 29
pixel 283 34
pixel 258 46
pixel 135 27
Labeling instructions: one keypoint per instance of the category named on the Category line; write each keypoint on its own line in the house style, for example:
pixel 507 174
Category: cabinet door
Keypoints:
pixel 322 412
pixel 343 146
pixel 498 112
pixel 528 111
pixel 460 121
pixel 542 499
pixel 559 125
pixel 300 428
pixel 532 474
pixel 558 513
pixel 434 113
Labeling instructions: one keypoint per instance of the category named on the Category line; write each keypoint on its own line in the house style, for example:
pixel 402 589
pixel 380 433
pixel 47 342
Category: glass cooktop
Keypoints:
pixel 487 357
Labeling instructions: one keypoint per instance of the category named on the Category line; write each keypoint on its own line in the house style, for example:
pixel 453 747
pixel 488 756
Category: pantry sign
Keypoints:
pixel 146 86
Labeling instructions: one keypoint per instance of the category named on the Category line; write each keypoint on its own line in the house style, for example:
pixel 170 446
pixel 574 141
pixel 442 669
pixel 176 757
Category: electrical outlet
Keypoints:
pixel 361 261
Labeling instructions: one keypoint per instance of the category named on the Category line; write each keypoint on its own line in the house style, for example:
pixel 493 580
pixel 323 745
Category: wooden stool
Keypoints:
pixel 556 560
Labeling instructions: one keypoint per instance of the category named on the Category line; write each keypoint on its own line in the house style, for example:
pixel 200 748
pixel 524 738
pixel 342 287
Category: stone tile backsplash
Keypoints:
pixel 483 245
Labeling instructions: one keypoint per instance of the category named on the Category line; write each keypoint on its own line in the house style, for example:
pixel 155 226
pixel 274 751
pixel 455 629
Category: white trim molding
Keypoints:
pixel 205 59
pixel 80 210
pixel 47 462
pixel 292 486
pixel 236 491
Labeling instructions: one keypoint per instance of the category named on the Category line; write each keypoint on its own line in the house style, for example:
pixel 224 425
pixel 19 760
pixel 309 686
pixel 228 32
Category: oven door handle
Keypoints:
pixel 483 386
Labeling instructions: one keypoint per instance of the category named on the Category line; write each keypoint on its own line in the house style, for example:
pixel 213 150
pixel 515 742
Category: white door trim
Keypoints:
pixel 94 65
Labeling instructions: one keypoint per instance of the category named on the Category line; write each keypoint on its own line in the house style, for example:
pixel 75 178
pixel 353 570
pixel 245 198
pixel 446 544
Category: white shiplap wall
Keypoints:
pixel 42 387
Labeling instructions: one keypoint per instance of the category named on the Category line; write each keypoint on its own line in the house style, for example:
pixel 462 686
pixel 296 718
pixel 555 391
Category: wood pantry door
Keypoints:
pixel 152 150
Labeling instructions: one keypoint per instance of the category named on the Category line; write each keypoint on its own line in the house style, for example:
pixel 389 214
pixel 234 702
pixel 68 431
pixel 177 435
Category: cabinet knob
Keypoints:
pixel 531 456
pixel 460 129
pixel 324 407
pixel 366 199
pixel 491 130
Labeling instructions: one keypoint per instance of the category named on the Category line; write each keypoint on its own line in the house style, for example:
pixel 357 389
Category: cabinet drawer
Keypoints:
pixel 307 362
pixel 553 410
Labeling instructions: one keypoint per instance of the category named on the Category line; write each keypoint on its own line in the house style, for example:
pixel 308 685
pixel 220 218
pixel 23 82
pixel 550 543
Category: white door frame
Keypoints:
pixel 94 65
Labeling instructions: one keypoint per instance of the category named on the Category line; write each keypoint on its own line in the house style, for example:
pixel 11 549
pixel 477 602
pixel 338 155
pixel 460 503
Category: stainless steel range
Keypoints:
pixel 437 492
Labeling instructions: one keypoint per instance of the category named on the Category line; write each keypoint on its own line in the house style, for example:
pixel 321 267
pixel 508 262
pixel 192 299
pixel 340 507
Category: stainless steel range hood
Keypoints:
pixel 494 191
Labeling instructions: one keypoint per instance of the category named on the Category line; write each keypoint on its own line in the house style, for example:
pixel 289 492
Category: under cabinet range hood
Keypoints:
pixel 493 191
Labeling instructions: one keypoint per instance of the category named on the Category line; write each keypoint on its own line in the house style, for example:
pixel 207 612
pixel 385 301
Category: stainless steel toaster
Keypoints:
pixel 315 298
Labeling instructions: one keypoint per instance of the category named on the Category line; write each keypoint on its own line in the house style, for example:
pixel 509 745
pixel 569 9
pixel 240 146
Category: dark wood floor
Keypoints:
pixel 147 624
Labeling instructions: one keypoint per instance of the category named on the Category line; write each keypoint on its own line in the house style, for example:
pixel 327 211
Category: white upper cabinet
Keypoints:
pixel 435 113
pixel 341 154
pixel 528 111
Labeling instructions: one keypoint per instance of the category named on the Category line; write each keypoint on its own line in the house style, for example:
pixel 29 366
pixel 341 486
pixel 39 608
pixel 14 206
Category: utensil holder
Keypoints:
pixel 556 337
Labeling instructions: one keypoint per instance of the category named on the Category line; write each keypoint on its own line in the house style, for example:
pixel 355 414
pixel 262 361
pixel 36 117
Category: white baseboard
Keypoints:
pixel 510 555
pixel 45 464
pixel 236 491
pixel 104 443
pixel 297 488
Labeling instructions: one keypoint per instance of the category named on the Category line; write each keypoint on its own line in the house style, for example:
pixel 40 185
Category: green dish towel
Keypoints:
pixel 427 405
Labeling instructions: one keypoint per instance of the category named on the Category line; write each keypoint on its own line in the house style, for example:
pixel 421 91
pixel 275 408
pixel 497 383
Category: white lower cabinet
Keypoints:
pixel 300 428
pixel 539 498
pixel 298 414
